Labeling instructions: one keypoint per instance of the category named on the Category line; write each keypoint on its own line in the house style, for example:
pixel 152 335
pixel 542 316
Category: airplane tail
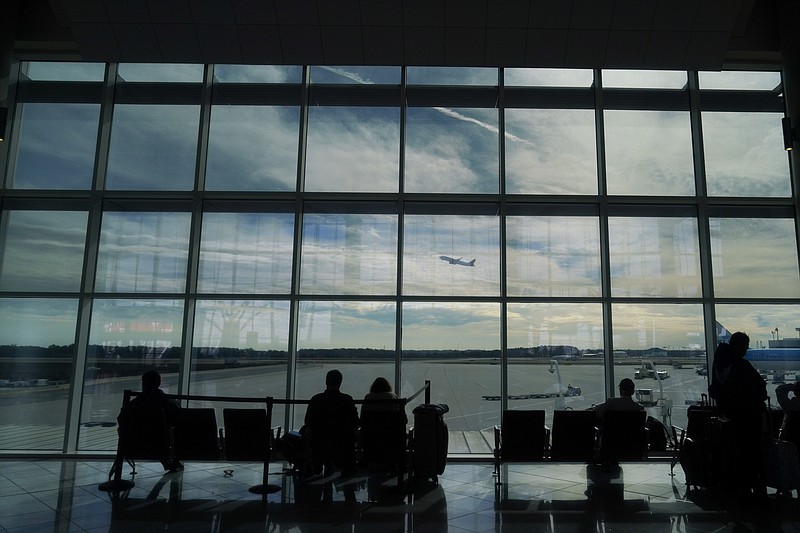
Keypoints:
pixel 723 335
pixel 471 263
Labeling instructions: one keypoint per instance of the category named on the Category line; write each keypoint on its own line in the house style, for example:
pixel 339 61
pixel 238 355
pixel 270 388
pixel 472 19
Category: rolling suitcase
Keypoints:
pixel 781 465
pixel 430 440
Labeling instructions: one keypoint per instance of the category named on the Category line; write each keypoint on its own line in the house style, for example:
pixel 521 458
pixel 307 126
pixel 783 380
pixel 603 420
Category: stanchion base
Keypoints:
pixel 264 489
pixel 116 485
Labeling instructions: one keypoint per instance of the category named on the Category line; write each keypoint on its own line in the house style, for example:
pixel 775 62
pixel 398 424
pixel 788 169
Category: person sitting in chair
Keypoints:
pixel 147 417
pixel 331 423
pixel 624 402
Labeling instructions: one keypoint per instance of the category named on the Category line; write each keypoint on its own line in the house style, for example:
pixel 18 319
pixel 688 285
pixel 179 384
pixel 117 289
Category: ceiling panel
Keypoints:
pixel 178 43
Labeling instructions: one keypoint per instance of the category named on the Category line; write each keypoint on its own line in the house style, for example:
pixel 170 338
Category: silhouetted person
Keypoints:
pixel 331 423
pixel 790 429
pixel 740 392
pixel 150 414
pixel 381 389
pixel 624 402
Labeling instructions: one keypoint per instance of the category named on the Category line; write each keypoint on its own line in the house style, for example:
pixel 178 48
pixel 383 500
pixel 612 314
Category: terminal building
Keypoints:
pixel 511 199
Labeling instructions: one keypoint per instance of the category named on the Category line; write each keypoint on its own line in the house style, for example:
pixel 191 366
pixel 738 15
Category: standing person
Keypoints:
pixel 331 423
pixel 146 417
pixel 381 389
pixel 740 392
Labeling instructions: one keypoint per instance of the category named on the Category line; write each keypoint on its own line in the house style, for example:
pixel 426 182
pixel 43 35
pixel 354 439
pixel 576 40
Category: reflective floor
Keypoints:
pixel 63 496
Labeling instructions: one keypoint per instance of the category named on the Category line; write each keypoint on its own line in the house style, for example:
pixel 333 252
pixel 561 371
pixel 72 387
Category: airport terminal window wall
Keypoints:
pixel 523 238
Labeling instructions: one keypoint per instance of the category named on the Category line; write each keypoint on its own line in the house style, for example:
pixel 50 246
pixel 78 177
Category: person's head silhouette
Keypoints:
pixel 333 380
pixel 151 381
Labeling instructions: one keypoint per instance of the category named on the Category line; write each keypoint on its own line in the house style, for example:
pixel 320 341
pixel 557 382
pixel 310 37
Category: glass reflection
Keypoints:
pixel 349 254
pixel 451 76
pixel 550 151
pixel 355 75
pixel 153 147
pixel 774 339
pixel 56 146
pixel 548 77
pixel 553 256
pixel 143 252
pixel 36 364
pixel 744 155
pixel 63 71
pixel 126 338
pixel 552 348
pixel 258 73
pixel 451 255
pixel 451 150
pixel 43 250
pixel 671 337
pixel 247 253
pixel 252 148
pixel 649 153
pixel 455 345
pixel 357 338
pixel 654 256
pixel 138 72
pixel 754 258
pixel 353 149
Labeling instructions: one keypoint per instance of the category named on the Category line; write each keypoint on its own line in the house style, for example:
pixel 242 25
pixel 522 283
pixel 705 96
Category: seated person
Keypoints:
pixel 624 402
pixel 331 423
pixel 157 412
pixel 790 429
pixel 381 389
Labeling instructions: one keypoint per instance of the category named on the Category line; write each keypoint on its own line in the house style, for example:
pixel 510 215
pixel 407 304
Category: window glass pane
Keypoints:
pixel 774 340
pixel 731 80
pixel 644 79
pixel 153 147
pixel 550 151
pixel 56 146
pixel 457 347
pixel 357 338
pixel 43 251
pixel 160 72
pixel 143 252
pixel 349 254
pixel 548 77
pixel 248 253
pixel 553 256
pixel 36 354
pixel 126 338
pixel 671 337
pixel 744 155
pixel 451 76
pixel 353 149
pixel 451 150
pixel 654 256
pixel 63 71
pixel 355 75
pixel 240 349
pixel 451 255
pixel 257 74
pixel 754 258
pixel 252 148
pixel 649 153
pixel 551 348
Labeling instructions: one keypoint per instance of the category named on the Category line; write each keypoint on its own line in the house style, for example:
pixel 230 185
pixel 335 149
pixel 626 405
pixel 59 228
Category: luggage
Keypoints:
pixel 781 465
pixel 695 459
pixel 430 439
pixel 656 435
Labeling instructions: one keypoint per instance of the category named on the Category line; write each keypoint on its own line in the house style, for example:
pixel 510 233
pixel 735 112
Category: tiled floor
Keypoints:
pixel 63 496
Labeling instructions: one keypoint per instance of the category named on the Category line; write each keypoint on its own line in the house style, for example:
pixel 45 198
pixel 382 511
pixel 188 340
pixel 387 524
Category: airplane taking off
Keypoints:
pixel 454 261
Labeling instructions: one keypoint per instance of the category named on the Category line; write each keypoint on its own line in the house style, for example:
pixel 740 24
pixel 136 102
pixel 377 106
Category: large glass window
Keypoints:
pixel 56 146
pixel 143 252
pixel 353 149
pixel 252 148
pixel 36 355
pixel 649 153
pixel 43 251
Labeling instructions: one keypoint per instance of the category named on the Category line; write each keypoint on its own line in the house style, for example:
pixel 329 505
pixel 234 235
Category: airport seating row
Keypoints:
pixel 246 435
pixel 575 436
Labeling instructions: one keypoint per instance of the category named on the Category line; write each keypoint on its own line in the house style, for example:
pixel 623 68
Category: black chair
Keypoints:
pixel 196 435
pixel 383 441
pixel 622 436
pixel 521 437
pixel 573 436
pixel 246 435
